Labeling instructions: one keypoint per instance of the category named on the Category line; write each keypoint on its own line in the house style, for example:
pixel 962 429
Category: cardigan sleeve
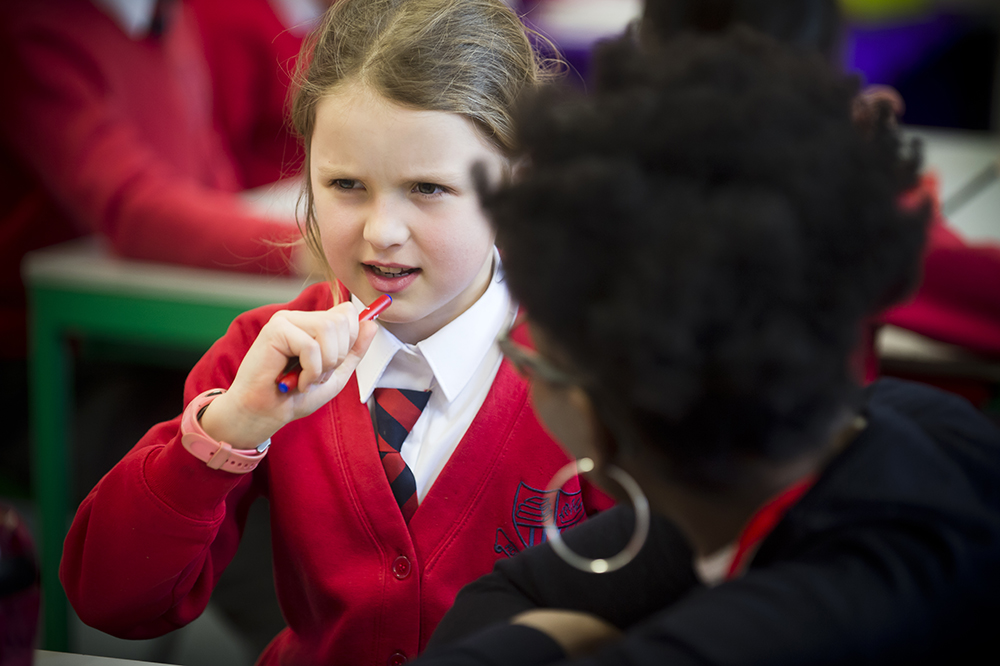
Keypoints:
pixel 251 56
pixel 150 541
pixel 66 120
pixel 958 300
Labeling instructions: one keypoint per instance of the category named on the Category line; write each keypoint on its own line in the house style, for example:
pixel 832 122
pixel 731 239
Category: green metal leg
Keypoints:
pixel 50 377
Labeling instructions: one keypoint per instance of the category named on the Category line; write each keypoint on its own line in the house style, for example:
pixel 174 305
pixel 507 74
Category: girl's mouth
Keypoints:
pixel 390 271
pixel 391 279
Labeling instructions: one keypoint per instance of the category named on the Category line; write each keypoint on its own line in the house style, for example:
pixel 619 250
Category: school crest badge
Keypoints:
pixel 533 506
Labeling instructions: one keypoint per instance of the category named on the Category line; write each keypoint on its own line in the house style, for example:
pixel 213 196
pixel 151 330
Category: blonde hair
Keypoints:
pixel 472 58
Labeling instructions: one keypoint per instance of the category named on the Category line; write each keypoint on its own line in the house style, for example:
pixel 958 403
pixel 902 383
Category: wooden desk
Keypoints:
pixel 956 157
pixel 79 290
pixel 901 351
pixel 47 658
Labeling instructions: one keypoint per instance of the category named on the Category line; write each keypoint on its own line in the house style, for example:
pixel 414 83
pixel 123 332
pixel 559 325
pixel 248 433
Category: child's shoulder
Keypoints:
pixel 316 296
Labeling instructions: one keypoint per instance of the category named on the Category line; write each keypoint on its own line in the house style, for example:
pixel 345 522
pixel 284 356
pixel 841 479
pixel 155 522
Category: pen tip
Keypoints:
pixel 283 387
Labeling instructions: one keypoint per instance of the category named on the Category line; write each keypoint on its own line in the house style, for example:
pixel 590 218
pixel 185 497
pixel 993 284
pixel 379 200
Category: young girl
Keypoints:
pixel 372 536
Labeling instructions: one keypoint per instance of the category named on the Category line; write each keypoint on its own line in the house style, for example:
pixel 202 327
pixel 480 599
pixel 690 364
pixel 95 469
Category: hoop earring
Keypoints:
pixel 639 534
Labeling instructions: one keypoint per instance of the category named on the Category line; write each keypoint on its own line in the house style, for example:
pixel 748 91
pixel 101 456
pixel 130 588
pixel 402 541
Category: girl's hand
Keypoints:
pixel 329 345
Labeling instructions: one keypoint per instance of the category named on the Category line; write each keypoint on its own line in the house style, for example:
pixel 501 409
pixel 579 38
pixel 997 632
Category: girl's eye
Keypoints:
pixel 346 184
pixel 427 188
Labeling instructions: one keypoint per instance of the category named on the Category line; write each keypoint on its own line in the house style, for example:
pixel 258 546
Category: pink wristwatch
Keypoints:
pixel 217 455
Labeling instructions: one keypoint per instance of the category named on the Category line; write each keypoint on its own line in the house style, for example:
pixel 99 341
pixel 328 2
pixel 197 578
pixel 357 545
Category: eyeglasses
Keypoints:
pixel 529 362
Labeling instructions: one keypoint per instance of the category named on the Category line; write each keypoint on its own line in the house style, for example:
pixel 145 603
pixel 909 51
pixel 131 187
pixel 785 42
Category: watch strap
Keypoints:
pixel 217 455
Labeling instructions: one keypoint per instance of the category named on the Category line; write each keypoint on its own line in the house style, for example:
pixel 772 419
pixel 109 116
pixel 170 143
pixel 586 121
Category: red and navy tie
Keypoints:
pixel 396 410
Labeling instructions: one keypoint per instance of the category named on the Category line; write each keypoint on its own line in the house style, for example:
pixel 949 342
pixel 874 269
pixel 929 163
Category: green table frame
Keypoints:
pixel 78 290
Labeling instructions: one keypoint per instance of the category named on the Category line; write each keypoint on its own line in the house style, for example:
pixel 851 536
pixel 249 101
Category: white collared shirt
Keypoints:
pixel 458 364
pixel 713 569
pixel 134 17
pixel 298 16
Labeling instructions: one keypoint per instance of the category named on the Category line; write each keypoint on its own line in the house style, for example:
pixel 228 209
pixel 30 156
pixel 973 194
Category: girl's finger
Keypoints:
pixel 340 376
pixel 334 335
pixel 333 330
pixel 289 339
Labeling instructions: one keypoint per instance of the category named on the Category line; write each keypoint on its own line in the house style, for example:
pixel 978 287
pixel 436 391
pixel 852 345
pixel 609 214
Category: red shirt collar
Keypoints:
pixel 763 522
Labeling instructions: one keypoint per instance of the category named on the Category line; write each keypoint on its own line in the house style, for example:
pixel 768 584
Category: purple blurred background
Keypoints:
pixel 942 58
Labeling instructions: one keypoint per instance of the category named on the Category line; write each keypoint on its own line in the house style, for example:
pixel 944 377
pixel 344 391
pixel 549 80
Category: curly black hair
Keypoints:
pixel 703 236
pixel 806 24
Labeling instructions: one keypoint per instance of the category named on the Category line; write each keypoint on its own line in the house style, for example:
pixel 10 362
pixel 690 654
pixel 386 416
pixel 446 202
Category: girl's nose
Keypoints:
pixel 385 225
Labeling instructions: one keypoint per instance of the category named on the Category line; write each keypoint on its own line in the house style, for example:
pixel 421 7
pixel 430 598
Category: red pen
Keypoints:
pixel 289 378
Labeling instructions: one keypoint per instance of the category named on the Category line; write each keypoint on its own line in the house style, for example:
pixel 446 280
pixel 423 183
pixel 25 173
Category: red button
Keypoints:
pixel 397 659
pixel 401 567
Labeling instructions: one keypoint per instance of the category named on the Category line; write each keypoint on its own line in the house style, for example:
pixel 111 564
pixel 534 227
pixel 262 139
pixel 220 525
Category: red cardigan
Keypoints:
pixel 251 57
pixel 355 585
pixel 958 300
pixel 102 133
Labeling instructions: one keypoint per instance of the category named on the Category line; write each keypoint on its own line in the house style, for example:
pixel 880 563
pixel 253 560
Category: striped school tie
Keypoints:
pixel 396 410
